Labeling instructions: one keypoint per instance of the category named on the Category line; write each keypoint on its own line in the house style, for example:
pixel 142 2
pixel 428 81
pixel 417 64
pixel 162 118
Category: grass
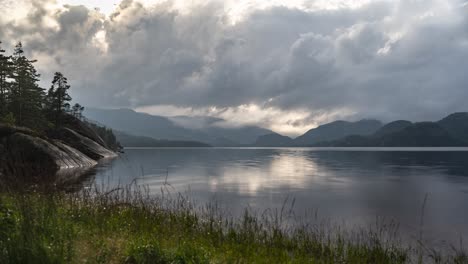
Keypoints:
pixel 128 226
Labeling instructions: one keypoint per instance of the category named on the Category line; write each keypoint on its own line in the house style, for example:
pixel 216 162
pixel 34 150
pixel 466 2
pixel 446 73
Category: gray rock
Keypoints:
pixel 28 155
pixel 25 153
pixel 83 129
pixel 75 158
pixel 84 144
pixel 6 131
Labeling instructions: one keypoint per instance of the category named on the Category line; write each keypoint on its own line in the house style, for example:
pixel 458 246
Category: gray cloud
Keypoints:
pixel 387 59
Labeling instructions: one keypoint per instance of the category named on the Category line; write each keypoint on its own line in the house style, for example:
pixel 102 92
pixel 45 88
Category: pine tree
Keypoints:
pixel 77 110
pixel 5 74
pixel 58 98
pixel 27 96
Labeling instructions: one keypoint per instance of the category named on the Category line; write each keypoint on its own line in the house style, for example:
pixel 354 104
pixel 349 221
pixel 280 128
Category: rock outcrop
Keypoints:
pixel 83 144
pixel 25 153
pixel 83 129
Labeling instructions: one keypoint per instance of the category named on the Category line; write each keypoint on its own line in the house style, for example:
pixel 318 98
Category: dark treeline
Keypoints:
pixel 107 135
pixel 23 102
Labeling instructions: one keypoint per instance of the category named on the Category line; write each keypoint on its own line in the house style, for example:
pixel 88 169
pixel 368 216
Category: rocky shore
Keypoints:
pixel 62 151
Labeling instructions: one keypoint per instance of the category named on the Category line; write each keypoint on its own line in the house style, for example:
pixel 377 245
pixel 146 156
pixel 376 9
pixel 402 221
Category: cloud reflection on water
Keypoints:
pixel 285 170
pixel 350 186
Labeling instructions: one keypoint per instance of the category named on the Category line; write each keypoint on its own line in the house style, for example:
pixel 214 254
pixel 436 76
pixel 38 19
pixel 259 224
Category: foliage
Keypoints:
pixel 5 73
pixel 58 98
pixel 77 111
pixel 25 95
pixel 23 102
pixel 107 136
pixel 126 226
pixel 8 119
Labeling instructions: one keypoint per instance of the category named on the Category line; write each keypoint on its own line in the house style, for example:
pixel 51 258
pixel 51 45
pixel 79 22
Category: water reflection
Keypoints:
pixel 278 172
pixel 353 186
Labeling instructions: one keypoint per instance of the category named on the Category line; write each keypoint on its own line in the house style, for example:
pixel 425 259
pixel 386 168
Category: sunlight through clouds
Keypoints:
pixel 288 68
pixel 286 122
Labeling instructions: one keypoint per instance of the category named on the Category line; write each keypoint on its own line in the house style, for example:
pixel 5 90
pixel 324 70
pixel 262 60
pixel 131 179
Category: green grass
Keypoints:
pixel 125 226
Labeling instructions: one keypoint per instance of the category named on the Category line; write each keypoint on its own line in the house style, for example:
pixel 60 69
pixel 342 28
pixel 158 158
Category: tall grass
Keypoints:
pixel 126 225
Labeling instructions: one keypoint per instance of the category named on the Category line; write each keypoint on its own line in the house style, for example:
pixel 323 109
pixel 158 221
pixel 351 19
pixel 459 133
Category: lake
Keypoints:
pixel 352 186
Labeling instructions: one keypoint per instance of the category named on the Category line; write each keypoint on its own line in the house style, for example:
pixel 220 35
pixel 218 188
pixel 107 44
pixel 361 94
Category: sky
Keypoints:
pixel 287 65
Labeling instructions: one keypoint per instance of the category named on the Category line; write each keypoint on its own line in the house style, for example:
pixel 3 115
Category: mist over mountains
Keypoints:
pixel 141 129
pixel 182 128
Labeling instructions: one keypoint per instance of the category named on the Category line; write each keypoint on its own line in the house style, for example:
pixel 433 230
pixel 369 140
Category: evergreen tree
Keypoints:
pixel 26 96
pixel 77 111
pixel 58 98
pixel 5 74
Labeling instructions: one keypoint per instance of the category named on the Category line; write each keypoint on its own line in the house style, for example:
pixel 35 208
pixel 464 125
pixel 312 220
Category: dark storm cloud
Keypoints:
pixel 388 59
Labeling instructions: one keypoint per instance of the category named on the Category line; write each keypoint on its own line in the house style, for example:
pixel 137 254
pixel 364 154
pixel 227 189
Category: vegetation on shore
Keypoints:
pixel 24 103
pixel 127 226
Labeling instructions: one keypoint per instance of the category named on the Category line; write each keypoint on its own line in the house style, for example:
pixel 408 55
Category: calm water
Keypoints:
pixel 352 186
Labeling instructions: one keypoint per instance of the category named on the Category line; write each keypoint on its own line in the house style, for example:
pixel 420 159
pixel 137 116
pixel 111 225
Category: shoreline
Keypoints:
pixel 357 149
pixel 126 225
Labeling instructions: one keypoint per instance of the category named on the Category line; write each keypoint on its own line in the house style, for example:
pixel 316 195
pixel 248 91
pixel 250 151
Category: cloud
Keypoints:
pixel 287 122
pixel 309 63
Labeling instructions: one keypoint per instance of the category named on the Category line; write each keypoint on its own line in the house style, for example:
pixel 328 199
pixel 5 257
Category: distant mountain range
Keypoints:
pixel 127 140
pixel 140 129
pixel 449 132
pixel 336 130
pixel 181 128
pixel 274 140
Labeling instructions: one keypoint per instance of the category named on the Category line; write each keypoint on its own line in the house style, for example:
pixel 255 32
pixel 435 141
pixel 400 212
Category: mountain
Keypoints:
pixel 449 132
pixel 456 125
pixel 243 135
pixel 350 141
pixel 129 121
pixel 337 130
pixel 423 134
pixel 392 127
pixel 217 127
pixel 273 140
pixel 127 140
pixel 182 128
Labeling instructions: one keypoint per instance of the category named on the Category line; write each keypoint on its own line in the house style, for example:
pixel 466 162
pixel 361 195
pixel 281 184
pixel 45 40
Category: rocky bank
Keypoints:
pixel 64 151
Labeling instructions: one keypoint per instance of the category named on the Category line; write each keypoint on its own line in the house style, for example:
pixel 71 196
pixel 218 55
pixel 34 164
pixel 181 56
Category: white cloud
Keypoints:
pixel 106 6
pixel 284 65
pixel 286 122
